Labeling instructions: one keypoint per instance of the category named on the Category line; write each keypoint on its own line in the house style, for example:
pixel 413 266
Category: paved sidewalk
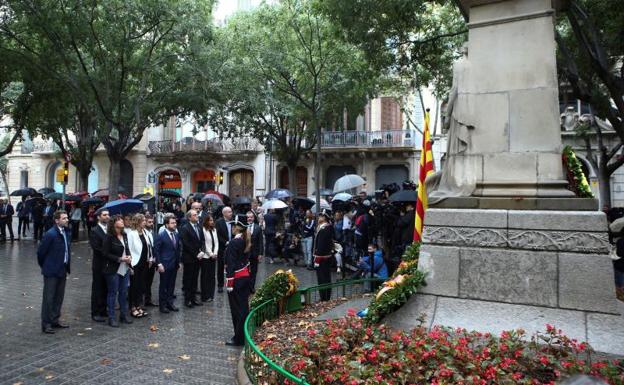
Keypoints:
pixel 187 348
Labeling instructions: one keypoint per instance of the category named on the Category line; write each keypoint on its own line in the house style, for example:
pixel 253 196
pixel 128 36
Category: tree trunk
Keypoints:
pixel 114 176
pixel 292 177
pixel 604 185
pixel 84 173
pixel 317 164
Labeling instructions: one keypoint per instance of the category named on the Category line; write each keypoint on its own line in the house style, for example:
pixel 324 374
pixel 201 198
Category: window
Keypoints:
pixel 23 179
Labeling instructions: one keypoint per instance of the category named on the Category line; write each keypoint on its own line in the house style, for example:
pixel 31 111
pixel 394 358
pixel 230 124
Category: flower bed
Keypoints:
pixel 348 352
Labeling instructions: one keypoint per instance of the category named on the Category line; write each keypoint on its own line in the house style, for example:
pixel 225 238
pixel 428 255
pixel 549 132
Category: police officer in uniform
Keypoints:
pixel 238 279
pixel 324 253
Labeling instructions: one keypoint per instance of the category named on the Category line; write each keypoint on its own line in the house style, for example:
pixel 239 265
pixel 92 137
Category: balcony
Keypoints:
pixel 44 147
pixel 369 139
pixel 214 146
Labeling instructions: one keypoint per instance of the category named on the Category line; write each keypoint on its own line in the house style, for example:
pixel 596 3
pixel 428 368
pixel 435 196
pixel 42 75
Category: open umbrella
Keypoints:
pixel 169 194
pixel 306 203
pixel 404 196
pixel 241 201
pixel 53 196
pixel 72 198
pixel 198 196
pixel 343 197
pixel 124 206
pixel 348 182
pixel 32 201
pixel 214 199
pixel 215 193
pixel 324 206
pixel 324 192
pixel 24 192
pixel 45 190
pixel 144 197
pixel 274 204
pixel 95 201
pixel 104 192
pixel 279 193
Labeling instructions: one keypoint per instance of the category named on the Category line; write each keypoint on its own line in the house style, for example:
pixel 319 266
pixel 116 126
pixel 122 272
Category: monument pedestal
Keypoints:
pixel 555 259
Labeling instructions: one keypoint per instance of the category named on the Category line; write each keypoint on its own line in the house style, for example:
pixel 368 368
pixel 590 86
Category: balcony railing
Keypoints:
pixel 45 147
pixel 387 138
pixel 235 145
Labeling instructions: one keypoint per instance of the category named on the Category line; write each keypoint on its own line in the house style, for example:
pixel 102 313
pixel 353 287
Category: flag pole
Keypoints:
pixel 425 168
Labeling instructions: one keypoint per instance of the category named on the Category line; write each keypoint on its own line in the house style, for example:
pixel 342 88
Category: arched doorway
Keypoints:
pixel 51 182
pixel 390 174
pixel 203 180
pixel 170 180
pixel 301 180
pixel 241 183
pixel 334 172
pixel 126 177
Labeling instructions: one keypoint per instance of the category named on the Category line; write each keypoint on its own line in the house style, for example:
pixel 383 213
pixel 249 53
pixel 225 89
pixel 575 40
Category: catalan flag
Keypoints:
pixel 425 168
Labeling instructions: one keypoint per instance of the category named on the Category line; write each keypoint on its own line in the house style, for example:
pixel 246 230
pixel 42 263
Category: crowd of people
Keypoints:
pixel 218 249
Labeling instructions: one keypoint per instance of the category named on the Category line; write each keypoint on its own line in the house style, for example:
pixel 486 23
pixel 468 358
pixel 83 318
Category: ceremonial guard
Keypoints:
pixel 238 279
pixel 323 253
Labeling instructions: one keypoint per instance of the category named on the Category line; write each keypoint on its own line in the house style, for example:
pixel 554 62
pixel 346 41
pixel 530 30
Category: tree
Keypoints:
pixel 291 76
pixel 590 38
pixel 125 63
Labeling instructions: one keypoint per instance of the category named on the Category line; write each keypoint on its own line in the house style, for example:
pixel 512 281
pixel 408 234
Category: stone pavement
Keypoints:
pixel 187 348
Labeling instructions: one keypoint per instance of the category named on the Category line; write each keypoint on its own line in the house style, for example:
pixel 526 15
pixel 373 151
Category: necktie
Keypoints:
pixel 173 239
pixel 196 231
pixel 212 241
pixel 149 244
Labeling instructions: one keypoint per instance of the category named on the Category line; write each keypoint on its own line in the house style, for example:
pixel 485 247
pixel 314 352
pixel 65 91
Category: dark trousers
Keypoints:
pixel 53 294
pixel 117 291
pixel 189 279
pixel 37 230
pixel 149 278
pixel 137 284
pixel 167 284
pixel 98 294
pixel 4 224
pixel 253 267
pixel 75 226
pixel 22 225
pixel 239 307
pixel 47 223
pixel 207 268
pixel 323 276
pixel 220 269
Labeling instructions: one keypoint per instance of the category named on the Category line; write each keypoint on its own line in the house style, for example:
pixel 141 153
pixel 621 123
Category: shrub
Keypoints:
pixel 576 178
pixel 277 286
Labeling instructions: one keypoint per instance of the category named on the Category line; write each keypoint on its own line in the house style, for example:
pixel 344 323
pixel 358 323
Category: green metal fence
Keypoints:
pixel 260 368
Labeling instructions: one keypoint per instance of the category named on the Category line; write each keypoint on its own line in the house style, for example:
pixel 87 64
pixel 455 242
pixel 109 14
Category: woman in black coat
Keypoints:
pixel 238 282
pixel 117 270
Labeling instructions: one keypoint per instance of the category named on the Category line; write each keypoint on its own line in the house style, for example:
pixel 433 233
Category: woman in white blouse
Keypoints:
pixel 207 264
pixel 141 253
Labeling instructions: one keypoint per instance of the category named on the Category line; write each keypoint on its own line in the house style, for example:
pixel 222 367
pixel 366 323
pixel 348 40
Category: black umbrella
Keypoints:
pixel 53 196
pixel 32 201
pixel 72 198
pixel 241 201
pixel 45 190
pixel 144 197
pixel 404 196
pixel 169 194
pixel 303 202
pixel 24 192
pixel 94 201
pixel 198 196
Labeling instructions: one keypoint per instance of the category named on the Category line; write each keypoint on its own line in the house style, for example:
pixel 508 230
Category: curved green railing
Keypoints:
pixel 264 368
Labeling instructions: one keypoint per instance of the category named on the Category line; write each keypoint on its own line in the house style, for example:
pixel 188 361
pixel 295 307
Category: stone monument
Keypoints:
pixel 520 237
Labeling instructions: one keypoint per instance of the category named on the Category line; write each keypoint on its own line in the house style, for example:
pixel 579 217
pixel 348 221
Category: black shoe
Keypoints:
pixel 198 292
pixel 174 296
pixel 150 304
pixel 113 323
pixel 233 343
pixel 189 304
pixel 98 318
pixel 47 330
pixel 173 308
pixel 125 320
pixel 220 290
pixel 164 310
pixel 60 326
pixel 194 302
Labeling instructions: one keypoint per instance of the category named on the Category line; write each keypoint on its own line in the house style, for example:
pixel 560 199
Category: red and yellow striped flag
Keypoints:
pixel 425 168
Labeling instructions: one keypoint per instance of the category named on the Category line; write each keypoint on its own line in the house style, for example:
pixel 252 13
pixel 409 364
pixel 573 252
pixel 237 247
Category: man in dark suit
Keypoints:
pixel 6 220
pixel 37 214
pixel 54 256
pixel 257 247
pixel 270 230
pixel 167 251
pixel 98 285
pixel 48 212
pixel 224 234
pixel 192 238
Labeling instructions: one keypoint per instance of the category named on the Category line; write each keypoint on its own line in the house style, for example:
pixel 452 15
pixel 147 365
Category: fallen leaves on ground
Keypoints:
pixel 167 371
pixel 153 345
pixel 105 361
pixel 49 377
pixel 153 328
pixel 184 357
pixel 80 334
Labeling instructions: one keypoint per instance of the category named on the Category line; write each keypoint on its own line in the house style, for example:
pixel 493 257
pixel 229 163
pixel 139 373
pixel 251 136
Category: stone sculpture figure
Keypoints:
pixel 458 176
